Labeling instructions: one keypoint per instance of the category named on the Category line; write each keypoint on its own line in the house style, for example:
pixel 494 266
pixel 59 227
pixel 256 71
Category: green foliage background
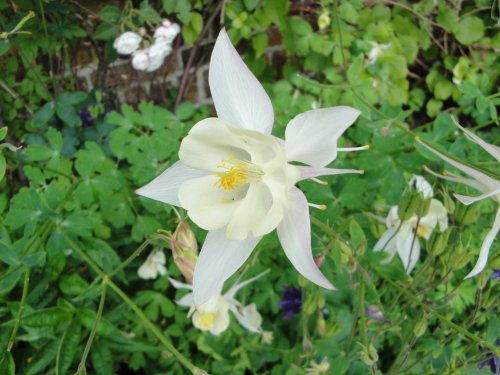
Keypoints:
pixel 69 216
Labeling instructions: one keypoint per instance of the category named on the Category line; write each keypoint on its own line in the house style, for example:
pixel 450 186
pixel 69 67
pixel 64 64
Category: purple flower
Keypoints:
pixel 86 117
pixel 491 361
pixel 495 275
pixel 291 303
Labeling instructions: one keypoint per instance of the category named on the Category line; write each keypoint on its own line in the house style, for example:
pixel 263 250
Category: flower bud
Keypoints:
pixel 420 327
pixel 408 205
pixel 324 20
pixel 423 208
pixel 184 250
pixel 127 43
pixel 466 215
pixel 437 243
pixel 321 326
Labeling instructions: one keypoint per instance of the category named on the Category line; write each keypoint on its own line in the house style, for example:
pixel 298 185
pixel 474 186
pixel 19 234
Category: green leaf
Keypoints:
pixel 39 152
pixel 469 30
pixel 148 13
pixel 448 19
pixel 73 285
pixel 7 364
pixel 259 43
pixel 106 31
pixel 33 260
pixel 110 13
pixel 102 358
pixel 3 167
pixel 55 139
pixel 43 115
pixel 443 89
pixel 3 133
pixel 68 347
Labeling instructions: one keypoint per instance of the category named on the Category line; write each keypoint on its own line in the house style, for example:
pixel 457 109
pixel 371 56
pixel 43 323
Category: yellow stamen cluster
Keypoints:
pixel 235 174
pixel 206 320
pixel 421 231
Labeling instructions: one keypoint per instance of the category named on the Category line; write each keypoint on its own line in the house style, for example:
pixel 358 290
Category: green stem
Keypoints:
pixel 134 255
pixel 154 330
pixel 440 317
pixel 361 307
pixel 20 311
pixel 81 366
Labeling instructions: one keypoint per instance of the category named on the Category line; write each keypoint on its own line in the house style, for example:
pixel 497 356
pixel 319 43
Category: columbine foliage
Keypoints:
pixel 73 234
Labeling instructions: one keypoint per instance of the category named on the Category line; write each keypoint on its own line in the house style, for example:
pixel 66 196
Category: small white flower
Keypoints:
pixel 140 59
pixel 157 53
pixel 324 20
pixel 487 185
pixel 236 180
pixel 318 368
pixel 376 51
pixel 213 315
pixel 402 237
pixel 167 33
pixel 153 266
pixel 127 43
pixel 267 337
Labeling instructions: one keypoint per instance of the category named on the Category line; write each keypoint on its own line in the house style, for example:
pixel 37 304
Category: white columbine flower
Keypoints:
pixel 235 179
pixel 213 315
pixel 402 237
pixel 127 43
pixel 487 185
pixel 153 266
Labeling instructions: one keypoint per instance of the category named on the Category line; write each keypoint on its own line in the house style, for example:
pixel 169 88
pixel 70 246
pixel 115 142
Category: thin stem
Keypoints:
pixel 361 307
pixel 440 317
pixel 154 330
pixel 20 311
pixel 81 366
pixel 134 255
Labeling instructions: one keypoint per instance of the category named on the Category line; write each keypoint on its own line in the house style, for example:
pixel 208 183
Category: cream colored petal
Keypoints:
pixel 489 148
pixel 408 246
pixel 310 172
pixel 469 200
pixel 387 243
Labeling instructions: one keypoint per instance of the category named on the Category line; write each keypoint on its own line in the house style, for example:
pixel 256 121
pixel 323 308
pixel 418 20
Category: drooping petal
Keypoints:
pixel 311 137
pixel 248 317
pixel 485 247
pixel 310 172
pixel 422 186
pixel 469 200
pixel 459 179
pixel 487 181
pixel 165 187
pixel 408 246
pixel 238 96
pixel 219 259
pixel 179 285
pixel 185 301
pixel 387 243
pixel 236 287
pixel 489 148
pixel 294 233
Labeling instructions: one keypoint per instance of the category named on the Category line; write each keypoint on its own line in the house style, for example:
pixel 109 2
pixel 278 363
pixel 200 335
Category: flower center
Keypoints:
pixel 236 172
pixel 421 231
pixel 206 320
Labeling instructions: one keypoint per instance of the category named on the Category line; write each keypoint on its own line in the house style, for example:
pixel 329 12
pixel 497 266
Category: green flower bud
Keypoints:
pixel 438 241
pixel 184 250
pixel 410 201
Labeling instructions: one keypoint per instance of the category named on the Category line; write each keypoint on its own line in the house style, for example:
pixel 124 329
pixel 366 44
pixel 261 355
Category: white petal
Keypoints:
pixel 165 187
pixel 208 205
pixel 469 200
pixel 238 96
pixel 489 148
pixel 310 172
pixel 422 186
pixel 250 212
pixel 294 233
pixel 487 181
pixel 459 179
pixel 249 317
pixel 408 246
pixel 179 285
pixel 311 137
pixel 186 301
pixel 219 259
pixel 210 142
pixel 147 271
pixel 485 247
pixel 236 287
pixel 387 243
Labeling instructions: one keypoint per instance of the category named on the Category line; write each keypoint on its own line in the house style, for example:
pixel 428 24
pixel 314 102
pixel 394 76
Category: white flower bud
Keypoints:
pixel 127 43
pixel 140 60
